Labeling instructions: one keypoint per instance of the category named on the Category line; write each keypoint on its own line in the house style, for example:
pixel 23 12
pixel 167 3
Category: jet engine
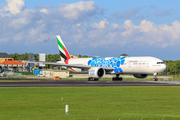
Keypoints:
pixel 140 75
pixel 96 72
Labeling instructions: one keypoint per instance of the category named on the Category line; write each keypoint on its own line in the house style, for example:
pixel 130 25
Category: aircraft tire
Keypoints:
pixel 95 79
pixel 155 79
pixel 117 79
pixel 90 79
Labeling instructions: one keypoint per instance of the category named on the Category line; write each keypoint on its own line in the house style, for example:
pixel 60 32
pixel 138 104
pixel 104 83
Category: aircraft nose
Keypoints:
pixel 164 67
pixel 161 68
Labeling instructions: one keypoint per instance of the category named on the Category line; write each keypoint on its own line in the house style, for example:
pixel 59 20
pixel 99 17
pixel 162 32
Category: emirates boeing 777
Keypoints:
pixel 97 68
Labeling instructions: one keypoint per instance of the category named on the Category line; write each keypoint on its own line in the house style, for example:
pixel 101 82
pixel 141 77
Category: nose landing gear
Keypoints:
pixel 155 77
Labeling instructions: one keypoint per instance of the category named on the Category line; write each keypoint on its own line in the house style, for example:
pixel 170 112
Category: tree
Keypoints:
pixel 79 56
pixel 36 57
pixel 85 56
pixel 15 56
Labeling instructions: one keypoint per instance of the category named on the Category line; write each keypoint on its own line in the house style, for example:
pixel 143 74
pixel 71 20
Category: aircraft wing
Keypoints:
pixel 74 65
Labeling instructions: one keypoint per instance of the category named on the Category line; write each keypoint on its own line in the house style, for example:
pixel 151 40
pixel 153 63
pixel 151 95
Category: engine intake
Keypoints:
pixel 140 75
pixel 96 72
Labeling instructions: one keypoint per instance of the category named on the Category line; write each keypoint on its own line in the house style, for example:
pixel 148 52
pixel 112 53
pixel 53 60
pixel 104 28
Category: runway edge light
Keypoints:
pixel 67 109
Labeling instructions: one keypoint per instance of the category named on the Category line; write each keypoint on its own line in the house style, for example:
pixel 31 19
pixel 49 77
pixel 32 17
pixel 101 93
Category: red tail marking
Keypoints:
pixel 67 55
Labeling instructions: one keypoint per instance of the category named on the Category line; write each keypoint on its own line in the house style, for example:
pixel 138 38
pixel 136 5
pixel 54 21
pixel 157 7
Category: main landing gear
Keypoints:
pixel 92 79
pixel 117 78
pixel 155 77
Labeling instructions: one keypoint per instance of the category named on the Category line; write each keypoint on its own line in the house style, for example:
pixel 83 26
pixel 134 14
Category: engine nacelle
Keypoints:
pixel 140 75
pixel 96 72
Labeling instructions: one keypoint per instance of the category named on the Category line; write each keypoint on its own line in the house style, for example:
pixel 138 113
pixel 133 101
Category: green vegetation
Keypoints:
pixel 90 103
pixel 173 67
pixel 50 57
pixel 82 56
pixel 13 77
pixel 23 78
pixel 27 73
pixel 70 72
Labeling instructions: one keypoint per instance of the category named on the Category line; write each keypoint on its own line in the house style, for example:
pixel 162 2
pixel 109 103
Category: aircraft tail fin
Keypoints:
pixel 64 54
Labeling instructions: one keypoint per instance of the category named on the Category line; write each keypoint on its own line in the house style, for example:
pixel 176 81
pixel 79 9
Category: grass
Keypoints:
pixel 25 77
pixel 27 73
pixel 90 103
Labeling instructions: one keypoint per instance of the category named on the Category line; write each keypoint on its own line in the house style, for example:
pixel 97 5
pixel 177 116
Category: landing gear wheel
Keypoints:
pixel 155 79
pixel 120 79
pixel 117 79
pixel 92 79
pixel 96 79
pixel 114 79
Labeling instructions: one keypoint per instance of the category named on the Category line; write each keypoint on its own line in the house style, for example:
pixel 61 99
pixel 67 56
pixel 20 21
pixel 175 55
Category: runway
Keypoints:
pixel 75 83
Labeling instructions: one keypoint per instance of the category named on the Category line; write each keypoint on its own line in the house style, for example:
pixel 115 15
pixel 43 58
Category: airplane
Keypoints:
pixel 98 67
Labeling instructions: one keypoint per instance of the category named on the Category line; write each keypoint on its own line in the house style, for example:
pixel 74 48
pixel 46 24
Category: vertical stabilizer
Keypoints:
pixel 65 56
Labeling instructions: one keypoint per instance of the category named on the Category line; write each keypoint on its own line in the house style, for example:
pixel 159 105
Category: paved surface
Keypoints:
pixel 73 83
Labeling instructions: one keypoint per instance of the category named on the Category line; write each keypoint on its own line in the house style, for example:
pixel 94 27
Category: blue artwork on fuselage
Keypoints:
pixel 115 62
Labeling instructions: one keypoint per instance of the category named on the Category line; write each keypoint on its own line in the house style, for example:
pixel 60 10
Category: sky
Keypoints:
pixel 105 28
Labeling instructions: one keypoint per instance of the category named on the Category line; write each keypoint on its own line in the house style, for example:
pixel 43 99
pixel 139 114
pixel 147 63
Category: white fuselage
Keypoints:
pixel 132 65
pixel 143 65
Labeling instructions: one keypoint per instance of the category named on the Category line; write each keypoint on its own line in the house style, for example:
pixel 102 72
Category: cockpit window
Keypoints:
pixel 160 63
